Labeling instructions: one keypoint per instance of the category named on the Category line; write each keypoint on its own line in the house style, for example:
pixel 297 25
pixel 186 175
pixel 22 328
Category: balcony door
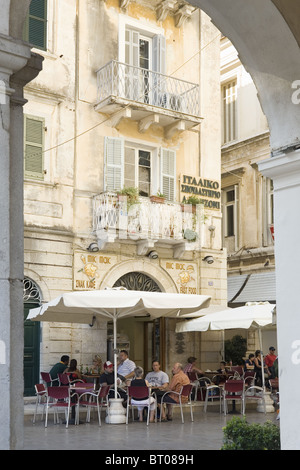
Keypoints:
pixel 137 169
pixel 138 59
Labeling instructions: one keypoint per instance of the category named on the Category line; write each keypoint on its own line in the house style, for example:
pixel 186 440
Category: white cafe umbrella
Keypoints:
pixel 111 304
pixel 252 315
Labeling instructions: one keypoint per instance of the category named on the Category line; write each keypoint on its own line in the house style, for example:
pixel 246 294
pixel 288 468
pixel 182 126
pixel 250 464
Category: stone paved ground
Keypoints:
pixel 205 433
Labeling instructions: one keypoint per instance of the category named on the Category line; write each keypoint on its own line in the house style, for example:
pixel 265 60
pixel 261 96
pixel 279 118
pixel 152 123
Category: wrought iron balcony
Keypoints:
pixel 139 89
pixel 147 223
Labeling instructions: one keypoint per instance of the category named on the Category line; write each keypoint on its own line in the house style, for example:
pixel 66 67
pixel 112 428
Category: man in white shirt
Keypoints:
pixel 126 366
pixel 157 378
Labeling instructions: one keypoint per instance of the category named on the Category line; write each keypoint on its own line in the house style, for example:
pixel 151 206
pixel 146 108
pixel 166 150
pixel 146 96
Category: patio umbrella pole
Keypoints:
pixel 269 405
pixel 116 412
pixel 115 354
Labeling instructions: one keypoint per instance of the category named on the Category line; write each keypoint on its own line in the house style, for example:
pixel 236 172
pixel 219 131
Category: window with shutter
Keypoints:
pixel 34 128
pixel 168 173
pixel 35 28
pixel 114 164
pixel 229 112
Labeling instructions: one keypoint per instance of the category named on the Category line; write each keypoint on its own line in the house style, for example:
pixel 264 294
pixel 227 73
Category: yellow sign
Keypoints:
pixel 184 275
pixel 90 268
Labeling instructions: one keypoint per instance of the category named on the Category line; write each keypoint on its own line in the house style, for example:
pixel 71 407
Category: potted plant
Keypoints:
pixel 132 195
pixel 193 201
pixel 159 198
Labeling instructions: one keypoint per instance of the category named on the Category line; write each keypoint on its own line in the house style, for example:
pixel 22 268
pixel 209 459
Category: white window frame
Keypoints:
pixel 153 157
pixel 145 29
pixel 267 210
pixel 235 204
pixel 229 133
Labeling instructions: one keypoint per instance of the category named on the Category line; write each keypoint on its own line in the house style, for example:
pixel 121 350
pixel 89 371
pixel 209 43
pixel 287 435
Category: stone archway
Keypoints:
pixel 18 66
pixel 266 35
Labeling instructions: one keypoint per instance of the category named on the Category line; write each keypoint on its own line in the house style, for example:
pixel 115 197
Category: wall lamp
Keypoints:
pixel 152 254
pixel 208 259
pixel 93 247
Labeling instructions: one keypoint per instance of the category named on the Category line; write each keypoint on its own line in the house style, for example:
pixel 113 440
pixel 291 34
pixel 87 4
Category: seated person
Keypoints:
pixel 108 378
pixel 157 379
pixel 191 366
pixel 179 379
pixel 59 368
pixel 126 367
pixel 72 370
pixel 249 363
pixel 141 402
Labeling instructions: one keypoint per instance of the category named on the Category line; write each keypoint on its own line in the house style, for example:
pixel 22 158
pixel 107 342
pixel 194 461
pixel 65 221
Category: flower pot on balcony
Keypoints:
pixel 190 208
pixel 157 199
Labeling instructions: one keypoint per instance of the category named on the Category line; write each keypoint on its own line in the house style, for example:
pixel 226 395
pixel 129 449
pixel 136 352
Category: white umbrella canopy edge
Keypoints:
pixel 111 302
pixel 241 317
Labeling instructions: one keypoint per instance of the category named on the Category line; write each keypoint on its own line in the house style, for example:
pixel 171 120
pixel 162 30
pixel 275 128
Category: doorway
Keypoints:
pixel 146 338
pixel 31 297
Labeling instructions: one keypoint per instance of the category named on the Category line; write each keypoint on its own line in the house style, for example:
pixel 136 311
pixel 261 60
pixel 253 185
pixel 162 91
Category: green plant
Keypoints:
pixel 132 195
pixel 240 435
pixel 235 349
pixel 193 200
pixel 159 194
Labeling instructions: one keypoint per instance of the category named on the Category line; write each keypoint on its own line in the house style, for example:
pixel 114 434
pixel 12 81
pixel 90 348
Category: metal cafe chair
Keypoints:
pixel 62 399
pixel 233 390
pixel 46 377
pixel 64 379
pixel 186 391
pixel 41 399
pixel 135 393
pixel 92 399
pixel 213 392
pixel 256 393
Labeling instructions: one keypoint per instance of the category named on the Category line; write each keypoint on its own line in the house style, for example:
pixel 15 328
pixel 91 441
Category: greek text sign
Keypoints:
pixel 208 191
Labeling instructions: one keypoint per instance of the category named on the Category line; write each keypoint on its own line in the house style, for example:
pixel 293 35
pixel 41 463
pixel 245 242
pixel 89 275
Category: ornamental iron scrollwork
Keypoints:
pixel 31 291
pixel 137 281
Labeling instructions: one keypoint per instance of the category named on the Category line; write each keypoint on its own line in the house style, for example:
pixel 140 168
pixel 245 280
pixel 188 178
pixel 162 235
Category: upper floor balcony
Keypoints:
pixel 172 225
pixel 125 91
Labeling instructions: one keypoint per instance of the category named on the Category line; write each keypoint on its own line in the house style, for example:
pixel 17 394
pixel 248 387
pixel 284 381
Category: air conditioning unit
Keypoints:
pixel 171 101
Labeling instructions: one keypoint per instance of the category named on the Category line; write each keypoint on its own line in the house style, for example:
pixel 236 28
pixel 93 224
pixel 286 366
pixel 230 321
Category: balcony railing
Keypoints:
pixel 144 86
pixel 169 222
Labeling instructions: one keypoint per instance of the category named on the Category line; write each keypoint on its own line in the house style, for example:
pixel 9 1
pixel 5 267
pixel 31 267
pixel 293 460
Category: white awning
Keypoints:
pixel 255 287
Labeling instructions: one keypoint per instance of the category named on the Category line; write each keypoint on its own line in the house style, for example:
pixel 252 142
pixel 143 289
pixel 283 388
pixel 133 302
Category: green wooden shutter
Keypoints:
pixel 168 173
pixel 35 29
pixel 34 128
pixel 114 164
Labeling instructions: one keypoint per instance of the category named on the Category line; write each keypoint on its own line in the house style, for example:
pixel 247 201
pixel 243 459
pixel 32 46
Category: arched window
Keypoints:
pixel 31 292
pixel 137 281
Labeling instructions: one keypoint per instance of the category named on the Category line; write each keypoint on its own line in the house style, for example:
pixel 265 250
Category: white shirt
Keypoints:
pixel 126 367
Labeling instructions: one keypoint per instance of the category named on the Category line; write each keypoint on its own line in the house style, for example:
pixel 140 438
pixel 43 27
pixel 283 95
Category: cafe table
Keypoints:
pixel 91 377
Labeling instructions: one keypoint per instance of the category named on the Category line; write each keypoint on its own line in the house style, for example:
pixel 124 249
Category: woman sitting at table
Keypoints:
pixel 72 370
pixel 139 381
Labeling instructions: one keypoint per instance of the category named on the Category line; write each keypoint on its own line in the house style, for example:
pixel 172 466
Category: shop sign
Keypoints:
pixel 90 268
pixel 208 191
pixel 184 274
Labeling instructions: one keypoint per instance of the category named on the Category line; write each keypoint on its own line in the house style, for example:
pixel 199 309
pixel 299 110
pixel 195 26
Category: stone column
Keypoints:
pixel 284 169
pixel 14 56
